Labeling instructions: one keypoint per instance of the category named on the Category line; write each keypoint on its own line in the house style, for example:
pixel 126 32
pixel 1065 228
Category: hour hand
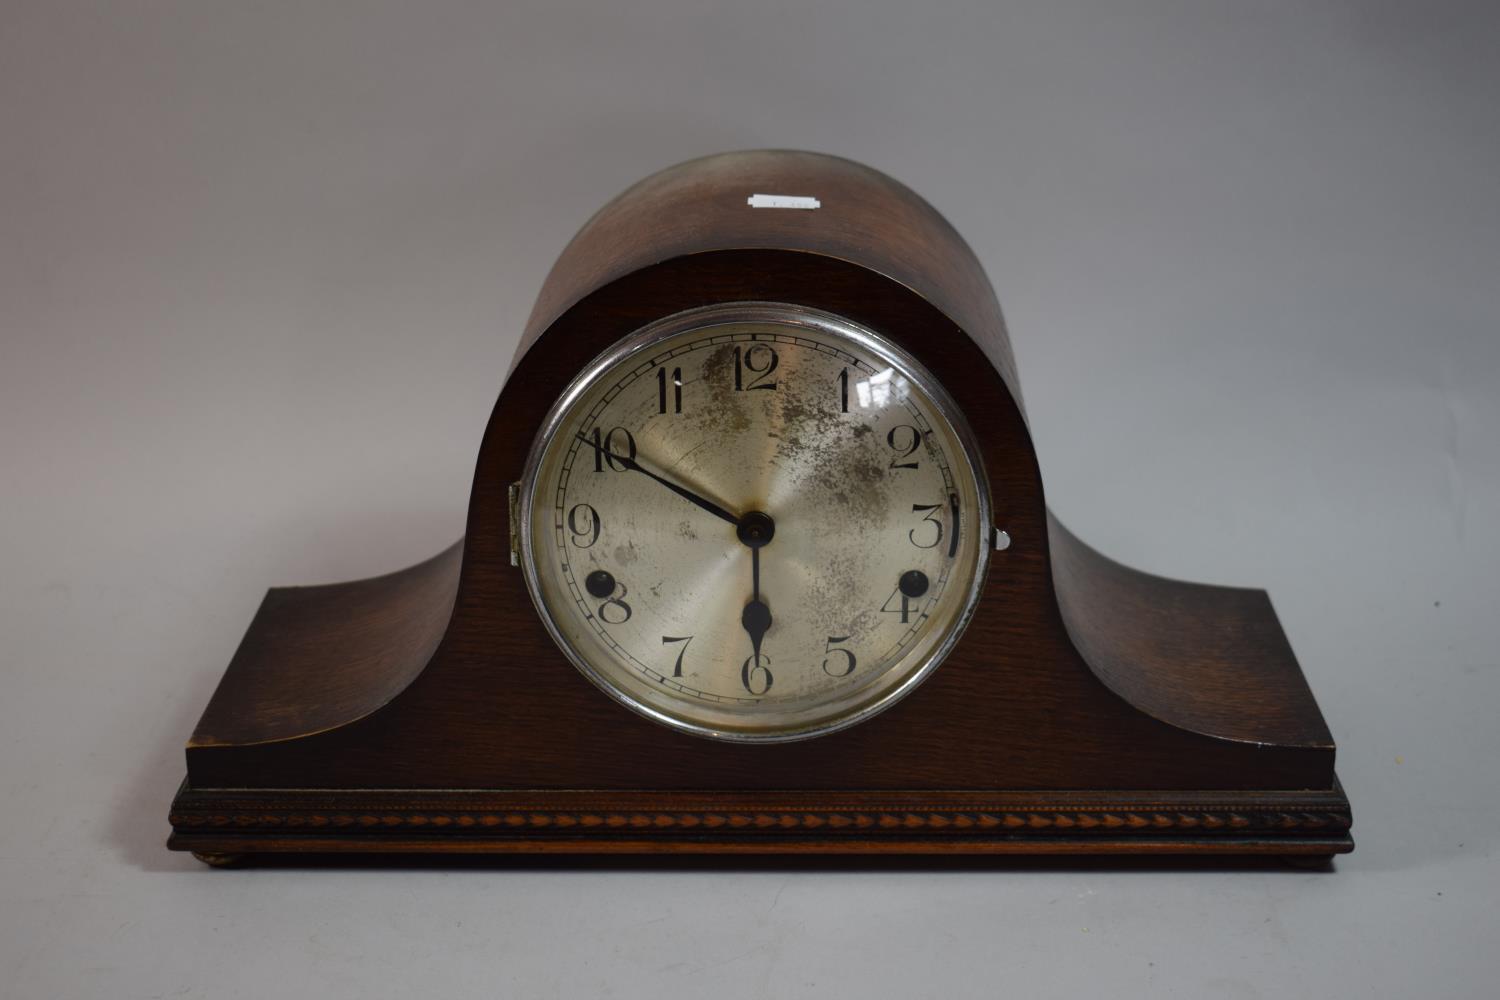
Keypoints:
pixel 756 619
pixel 756 530
pixel 677 488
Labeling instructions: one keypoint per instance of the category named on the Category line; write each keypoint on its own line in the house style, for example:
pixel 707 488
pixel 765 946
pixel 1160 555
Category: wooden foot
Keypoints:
pixel 214 860
pixel 1308 862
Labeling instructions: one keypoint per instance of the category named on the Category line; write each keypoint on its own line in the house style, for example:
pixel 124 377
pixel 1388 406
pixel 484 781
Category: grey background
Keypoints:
pixel 262 268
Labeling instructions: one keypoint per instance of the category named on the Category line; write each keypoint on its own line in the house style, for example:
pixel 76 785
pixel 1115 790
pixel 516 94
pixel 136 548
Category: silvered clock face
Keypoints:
pixel 755 522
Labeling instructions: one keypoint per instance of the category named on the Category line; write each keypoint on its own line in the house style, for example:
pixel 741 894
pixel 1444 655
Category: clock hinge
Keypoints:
pixel 515 531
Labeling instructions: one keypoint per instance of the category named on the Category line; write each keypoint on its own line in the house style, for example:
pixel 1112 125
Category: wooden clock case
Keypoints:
pixel 1089 708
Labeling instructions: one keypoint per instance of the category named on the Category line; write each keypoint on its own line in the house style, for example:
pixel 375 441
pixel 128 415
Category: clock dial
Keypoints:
pixel 755 522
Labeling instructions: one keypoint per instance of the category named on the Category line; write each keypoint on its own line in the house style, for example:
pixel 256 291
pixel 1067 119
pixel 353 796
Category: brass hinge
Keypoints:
pixel 515 524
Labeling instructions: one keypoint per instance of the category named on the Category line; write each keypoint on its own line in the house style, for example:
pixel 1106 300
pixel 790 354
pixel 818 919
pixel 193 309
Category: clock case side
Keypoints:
pixel 1053 727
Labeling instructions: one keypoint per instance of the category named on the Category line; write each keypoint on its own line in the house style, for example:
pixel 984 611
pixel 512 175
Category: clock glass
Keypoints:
pixel 755 522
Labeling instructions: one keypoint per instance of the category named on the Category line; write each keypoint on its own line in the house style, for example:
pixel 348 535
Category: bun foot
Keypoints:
pixel 214 860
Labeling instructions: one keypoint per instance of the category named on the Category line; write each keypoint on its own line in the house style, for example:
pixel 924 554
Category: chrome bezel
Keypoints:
pixel 780 314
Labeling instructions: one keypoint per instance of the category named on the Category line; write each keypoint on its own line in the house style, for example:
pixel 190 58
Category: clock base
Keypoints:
pixel 300 752
pixel 218 823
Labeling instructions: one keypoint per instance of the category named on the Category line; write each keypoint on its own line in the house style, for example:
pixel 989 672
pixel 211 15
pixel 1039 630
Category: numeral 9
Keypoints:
pixel 583 522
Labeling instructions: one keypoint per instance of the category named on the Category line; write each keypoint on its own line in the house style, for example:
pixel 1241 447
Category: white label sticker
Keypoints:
pixel 782 201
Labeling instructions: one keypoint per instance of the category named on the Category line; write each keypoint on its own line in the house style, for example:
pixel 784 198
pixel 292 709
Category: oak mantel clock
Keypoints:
pixel 758 562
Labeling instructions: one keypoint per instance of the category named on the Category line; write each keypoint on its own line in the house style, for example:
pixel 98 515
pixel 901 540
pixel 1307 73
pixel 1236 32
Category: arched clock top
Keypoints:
pixel 861 216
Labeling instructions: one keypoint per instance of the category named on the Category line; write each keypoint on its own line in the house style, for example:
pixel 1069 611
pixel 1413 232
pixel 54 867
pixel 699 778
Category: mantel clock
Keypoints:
pixel 758 562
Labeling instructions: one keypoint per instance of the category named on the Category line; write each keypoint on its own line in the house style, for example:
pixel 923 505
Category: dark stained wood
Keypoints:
pixel 865 217
pixel 316 658
pixel 1180 651
pixel 1088 705
pixel 1285 823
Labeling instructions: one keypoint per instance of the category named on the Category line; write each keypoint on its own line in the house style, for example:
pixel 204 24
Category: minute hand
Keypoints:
pixel 680 490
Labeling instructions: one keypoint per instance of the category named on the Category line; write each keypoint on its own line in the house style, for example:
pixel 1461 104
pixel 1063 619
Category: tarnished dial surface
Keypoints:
pixel 754 522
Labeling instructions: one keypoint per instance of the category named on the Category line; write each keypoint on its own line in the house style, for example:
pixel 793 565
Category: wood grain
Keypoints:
pixel 1078 676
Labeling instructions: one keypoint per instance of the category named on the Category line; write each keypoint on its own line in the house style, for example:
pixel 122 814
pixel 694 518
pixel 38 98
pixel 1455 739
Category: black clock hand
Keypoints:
pixel 756 619
pixel 680 490
pixel 755 574
pixel 755 530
